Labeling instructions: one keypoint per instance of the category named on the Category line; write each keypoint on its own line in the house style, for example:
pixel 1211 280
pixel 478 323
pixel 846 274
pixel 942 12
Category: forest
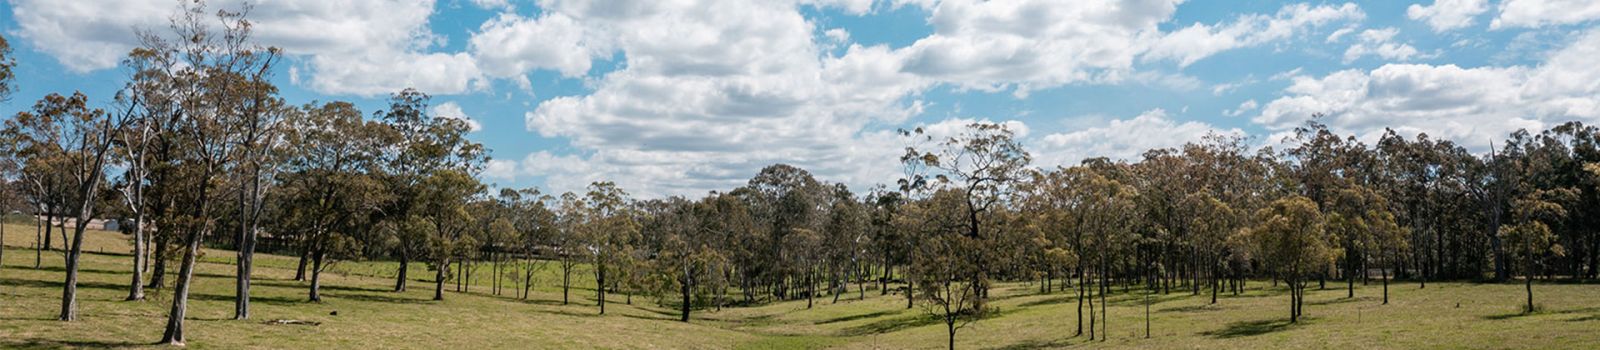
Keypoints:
pixel 200 152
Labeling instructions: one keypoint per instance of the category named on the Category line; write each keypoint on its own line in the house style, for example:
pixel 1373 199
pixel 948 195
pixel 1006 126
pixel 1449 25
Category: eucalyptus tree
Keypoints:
pixel 260 153
pixel 1293 241
pixel 328 187
pixel 7 63
pixel 606 232
pixel 944 261
pixel 80 138
pixel 425 146
pixel 1530 239
pixel 984 161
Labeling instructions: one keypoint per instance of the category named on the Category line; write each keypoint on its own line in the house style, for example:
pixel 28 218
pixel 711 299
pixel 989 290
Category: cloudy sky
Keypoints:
pixel 684 96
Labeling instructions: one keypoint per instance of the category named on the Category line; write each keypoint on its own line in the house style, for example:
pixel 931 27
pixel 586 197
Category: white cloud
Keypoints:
pixel 453 111
pixel 1032 45
pixel 1470 105
pixel 708 97
pixel 1123 139
pixel 1537 13
pixel 1199 41
pixel 1445 15
pixel 510 45
pixel 492 4
pixel 364 47
pixel 1380 42
pixel 1246 106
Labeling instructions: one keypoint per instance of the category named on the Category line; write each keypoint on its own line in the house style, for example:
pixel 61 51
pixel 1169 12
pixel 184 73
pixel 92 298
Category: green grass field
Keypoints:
pixel 1445 315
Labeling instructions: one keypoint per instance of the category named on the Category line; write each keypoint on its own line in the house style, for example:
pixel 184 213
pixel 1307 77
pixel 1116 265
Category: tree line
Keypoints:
pixel 199 150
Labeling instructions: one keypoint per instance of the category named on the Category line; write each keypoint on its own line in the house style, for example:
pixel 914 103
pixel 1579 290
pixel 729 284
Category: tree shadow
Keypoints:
pixel 253 299
pixel 1507 316
pixel 1342 300
pixel 1251 328
pixel 1196 308
pixel 857 317
pixel 1037 344
pixel 1050 301
pixel 891 325
pixel 37 343
pixel 377 298
pixel 32 283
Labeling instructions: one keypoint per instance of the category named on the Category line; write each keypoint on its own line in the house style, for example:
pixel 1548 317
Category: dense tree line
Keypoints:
pixel 198 150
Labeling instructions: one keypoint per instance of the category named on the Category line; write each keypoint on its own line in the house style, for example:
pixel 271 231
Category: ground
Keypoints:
pixel 1444 315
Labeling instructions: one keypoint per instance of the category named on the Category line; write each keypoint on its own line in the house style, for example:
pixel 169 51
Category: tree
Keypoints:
pixel 328 191
pixel 442 205
pixel 7 78
pixel 944 261
pixel 983 161
pixel 424 146
pixel 80 138
pixel 1530 240
pixel 1292 240
pixel 606 231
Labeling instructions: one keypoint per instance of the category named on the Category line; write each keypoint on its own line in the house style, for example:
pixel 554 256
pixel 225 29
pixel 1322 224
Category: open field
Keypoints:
pixel 1445 315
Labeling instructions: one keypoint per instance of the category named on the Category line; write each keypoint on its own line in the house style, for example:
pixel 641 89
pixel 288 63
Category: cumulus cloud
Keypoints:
pixel 1446 15
pixel 1470 105
pixel 453 111
pixel 363 47
pixel 1380 42
pixel 1199 41
pixel 1030 45
pixel 511 45
pixel 1123 139
pixel 707 98
pixel 1537 13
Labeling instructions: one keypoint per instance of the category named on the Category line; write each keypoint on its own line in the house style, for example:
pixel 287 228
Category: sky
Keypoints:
pixel 681 97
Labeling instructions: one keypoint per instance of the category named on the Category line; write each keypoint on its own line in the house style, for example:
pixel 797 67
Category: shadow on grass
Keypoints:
pixel 1196 308
pixel 377 298
pixel 891 325
pixel 32 283
pixel 37 343
pixel 1342 300
pixel 303 285
pixel 858 317
pixel 1251 328
pixel 1507 316
pixel 1051 301
pixel 1585 318
pixel 253 299
pixel 1037 344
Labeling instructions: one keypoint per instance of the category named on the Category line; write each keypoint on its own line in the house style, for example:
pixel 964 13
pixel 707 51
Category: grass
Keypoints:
pixel 369 316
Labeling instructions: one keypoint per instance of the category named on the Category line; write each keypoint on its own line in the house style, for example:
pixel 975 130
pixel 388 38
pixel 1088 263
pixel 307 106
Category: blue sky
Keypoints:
pixel 681 97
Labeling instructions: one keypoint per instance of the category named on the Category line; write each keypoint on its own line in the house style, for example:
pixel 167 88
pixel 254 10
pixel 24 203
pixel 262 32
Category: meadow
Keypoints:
pixel 360 311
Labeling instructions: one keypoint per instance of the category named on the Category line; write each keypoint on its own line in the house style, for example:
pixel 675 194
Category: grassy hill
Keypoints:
pixel 1444 315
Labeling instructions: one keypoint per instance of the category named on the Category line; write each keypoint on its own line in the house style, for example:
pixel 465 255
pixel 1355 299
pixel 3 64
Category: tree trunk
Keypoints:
pixel 950 325
pixel 566 282
pixel 438 280
pixel 688 280
pixel 69 293
pixel 180 293
pixel 1080 304
pixel 315 294
pixel 1528 285
pixel 136 288
pixel 1385 272
pixel 400 278
pixel 38 242
pixel 600 286
pixel 305 255
pixel 246 257
pixel 158 271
